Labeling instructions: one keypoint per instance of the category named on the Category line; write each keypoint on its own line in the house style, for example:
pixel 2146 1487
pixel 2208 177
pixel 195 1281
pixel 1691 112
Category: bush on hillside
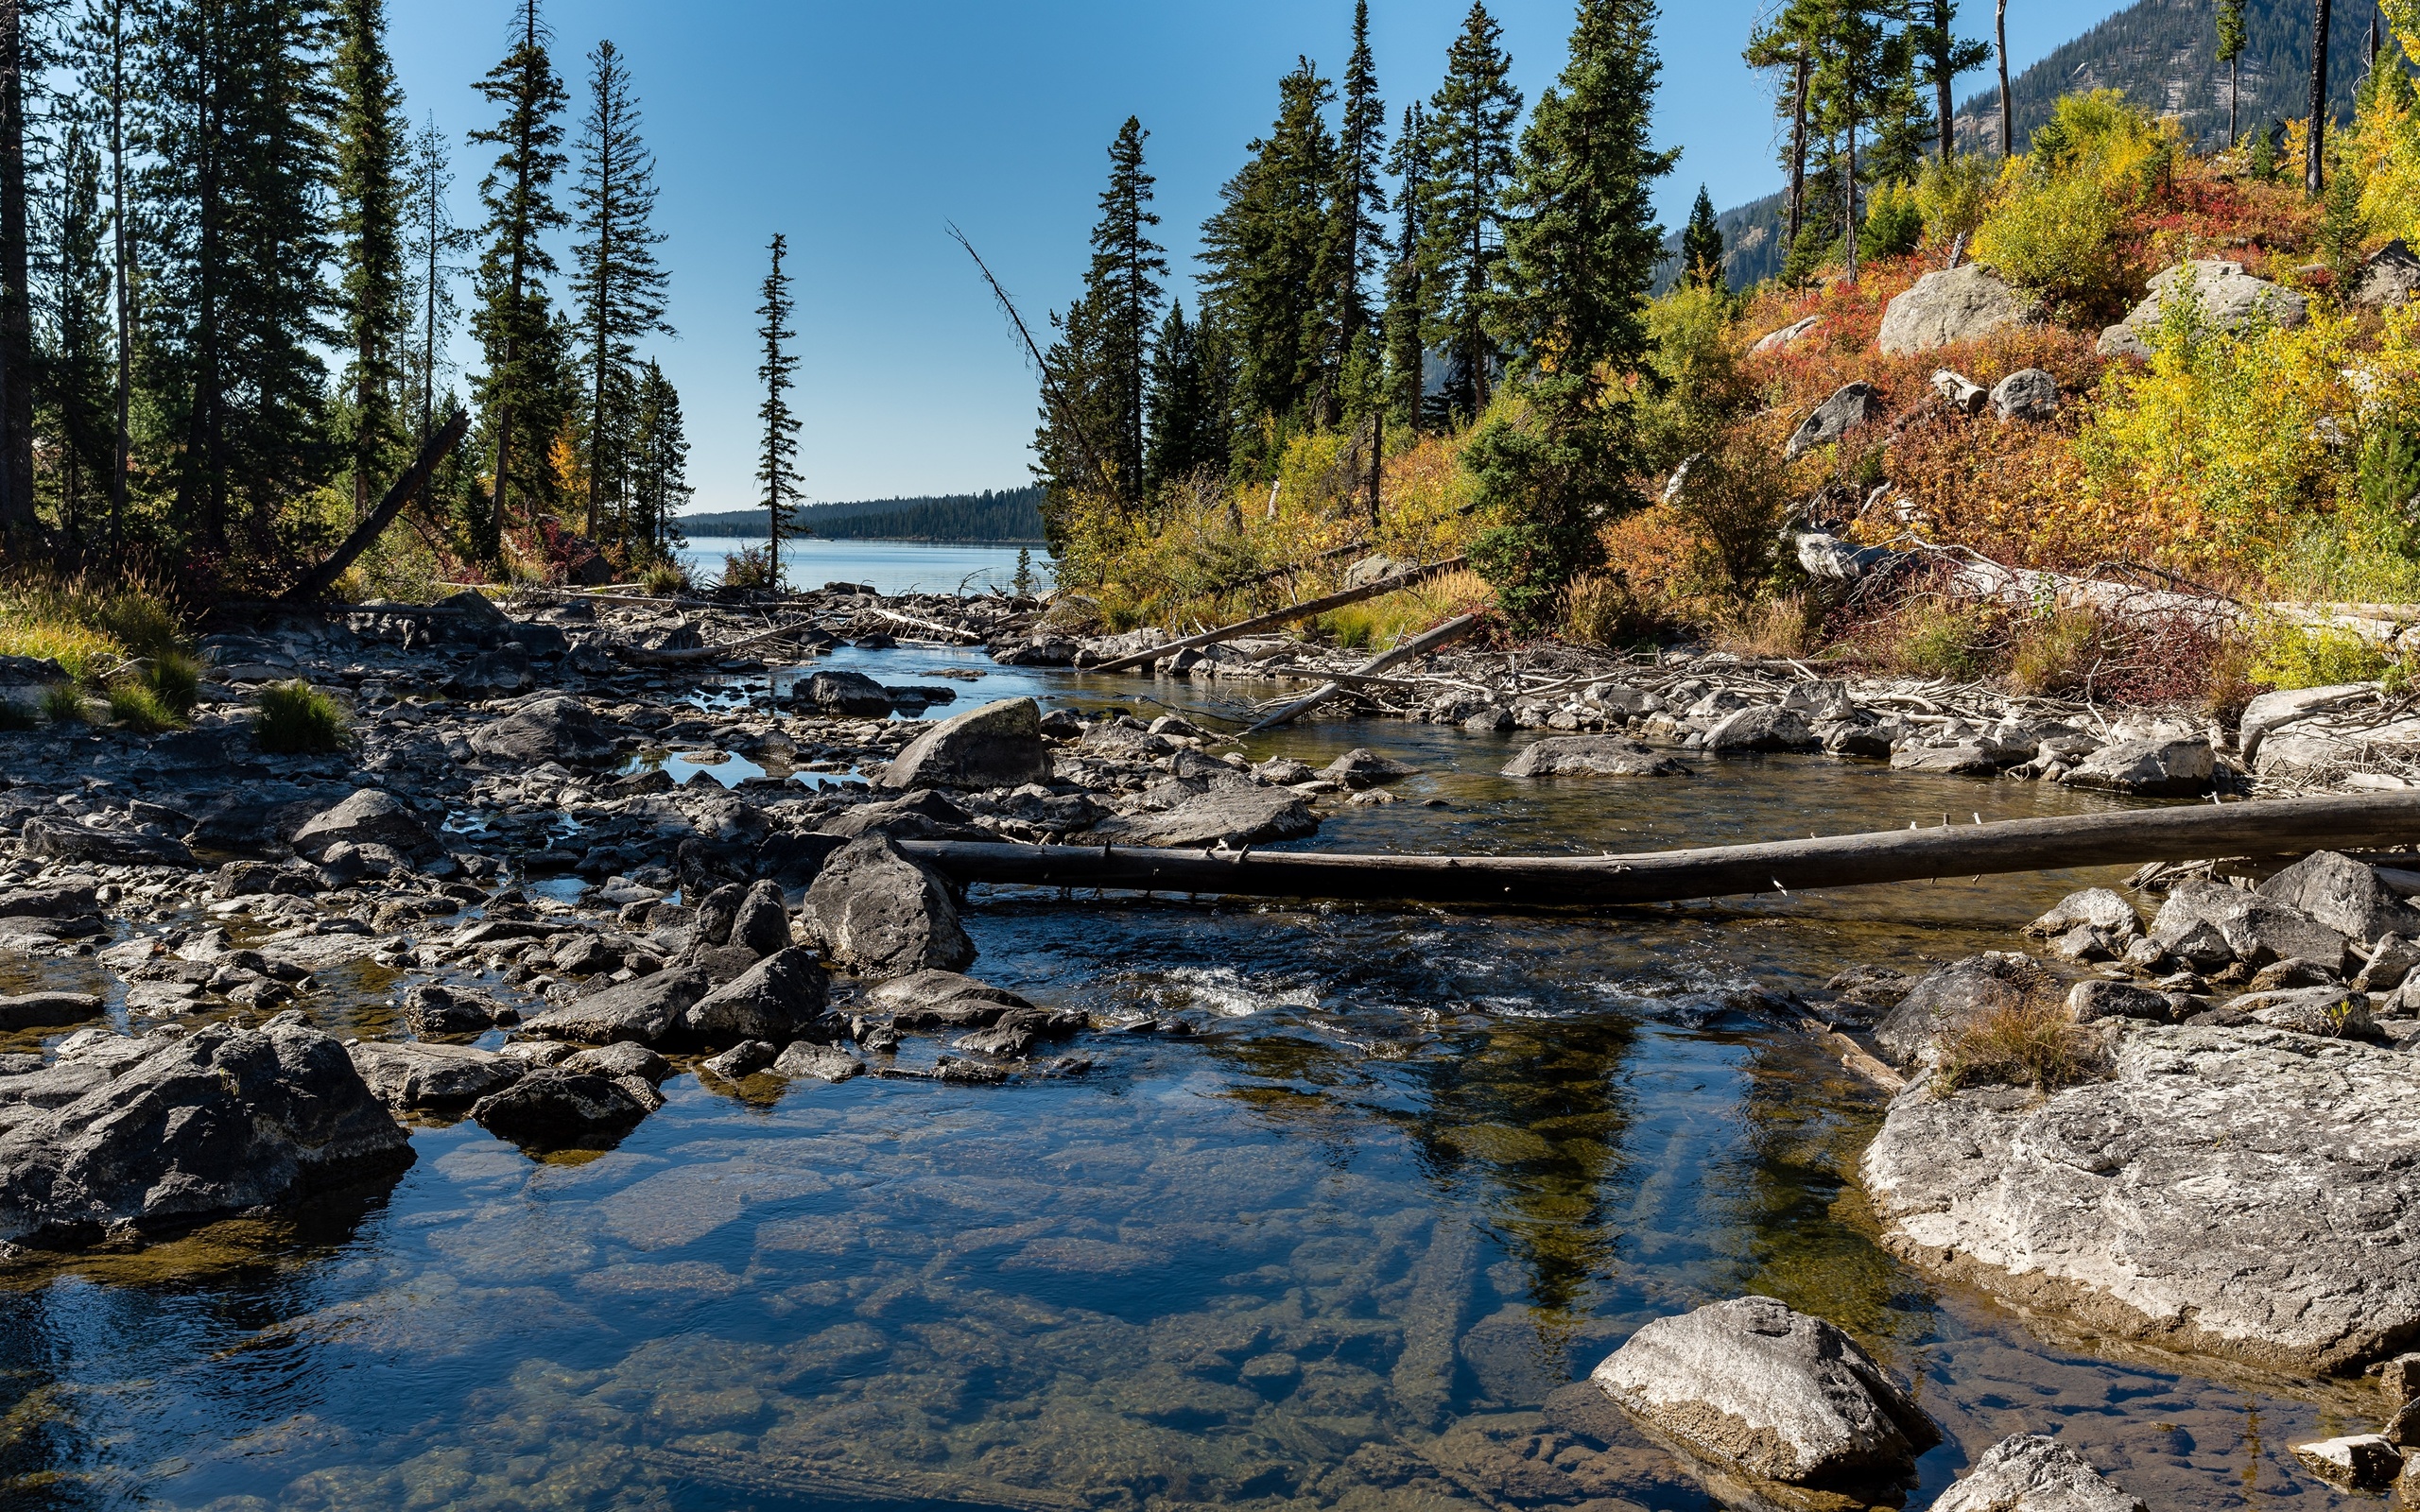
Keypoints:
pixel 1894 223
pixel 1953 195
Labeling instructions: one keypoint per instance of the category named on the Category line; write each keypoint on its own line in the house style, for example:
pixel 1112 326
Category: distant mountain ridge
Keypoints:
pixel 2159 54
pixel 1009 517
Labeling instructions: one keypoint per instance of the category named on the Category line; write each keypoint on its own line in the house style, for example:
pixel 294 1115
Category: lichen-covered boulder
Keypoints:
pixel 999 745
pixel 1592 756
pixel 2223 295
pixel 2031 1472
pixel 1964 303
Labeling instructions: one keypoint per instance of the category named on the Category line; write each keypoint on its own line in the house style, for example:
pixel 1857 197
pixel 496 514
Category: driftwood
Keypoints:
pixel 320 578
pixel 690 656
pixel 1286 616
pixel 2182 832
pixel 957 636
pixel 1418 646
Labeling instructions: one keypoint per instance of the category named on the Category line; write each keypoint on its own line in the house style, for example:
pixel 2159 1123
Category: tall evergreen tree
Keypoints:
pixel 519 390
pixel 1581 251
pixel 659 465
pixel 1359 200
pixel 1471 162
pixel 434 239
pixel 1078 409
pixel 1939 57
pixel 102 45
pixel 1187 428
pixel 1122 292
pixel 370 145
pixel 618 281
pixel 777 452
pixel 20 71
pixel 1702 244
pixel 1863 76
pixel 2230 51
pixel 1273 274
pixel 1406 314
pixel 1786 41
pixel 76 396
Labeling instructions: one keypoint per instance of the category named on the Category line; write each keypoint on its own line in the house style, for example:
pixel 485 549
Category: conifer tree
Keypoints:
pixel 1786 40
pixel 76 396
pixel 102 45
pixel 1359 200
pixel 519 390
pixel 1122 297
pixel 1405 313
pixel 618 281
pixel 1702 245
pixel 777 453
pixel 1272 258
pixel 20 70
pixel 1471 162
pixel 1186 430
pixel 369 133
pixel 1581 251
pixel 1940 57
pixel 2315 139
pixel 434 239
pixel 2230 52
pixel 1067 462
pixel 659 465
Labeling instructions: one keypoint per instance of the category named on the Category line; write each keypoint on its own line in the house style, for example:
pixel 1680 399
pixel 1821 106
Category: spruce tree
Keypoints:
pixel 369 133
pixel 1358 202
pixel 20 73
pixel 1471 162
pixel 75 395
pixel 2230 52
pixel 1122 293
pixel 1581 251
pixel 434 239
pixel 618 282
pixel 513 322
pixel 1786 41
pixel 777 450
pixel 1405 313
pixel 1939 57
pixel 659 465
pixel 1272 273
pixel 1702 245
pixel 101 48
pixel 1185 427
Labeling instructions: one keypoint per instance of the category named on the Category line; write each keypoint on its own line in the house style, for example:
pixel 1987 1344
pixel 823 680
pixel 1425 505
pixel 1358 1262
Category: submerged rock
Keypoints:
pixel 882 913
pixel 2030 1472
pixel 999 745
pixel 1592 756
pixel 555 1109
pixel 1781 1395
pixel 190 1127
pixel 2245 1191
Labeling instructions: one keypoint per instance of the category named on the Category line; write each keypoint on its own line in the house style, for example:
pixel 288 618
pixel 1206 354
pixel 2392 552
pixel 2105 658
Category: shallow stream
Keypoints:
pixel 1417 1172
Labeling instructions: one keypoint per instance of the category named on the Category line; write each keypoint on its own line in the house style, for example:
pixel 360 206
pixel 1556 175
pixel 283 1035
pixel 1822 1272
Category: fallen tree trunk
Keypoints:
pixel 1286 616
pixel 320 578
pixel 1418 646
pixel 2182 832
pixel 641 657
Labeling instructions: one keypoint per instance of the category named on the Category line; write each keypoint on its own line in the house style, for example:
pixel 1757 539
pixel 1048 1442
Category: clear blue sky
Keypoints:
pixel 862 128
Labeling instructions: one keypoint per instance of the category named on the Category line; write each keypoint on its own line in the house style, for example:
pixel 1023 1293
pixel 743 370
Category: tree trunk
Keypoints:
pixel 124 455
pixel 1850 217
pixel 375 522
pixel 2234 135
pixel 600 294
pixel 1377 455
pixel 1942 82
pixel 2008 107
pixel 1798 149
pixel 1392 583
pixel 2313 154
pixel 16 309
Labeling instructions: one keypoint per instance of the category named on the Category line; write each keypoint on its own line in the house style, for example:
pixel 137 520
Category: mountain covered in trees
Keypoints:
pixel 1007 517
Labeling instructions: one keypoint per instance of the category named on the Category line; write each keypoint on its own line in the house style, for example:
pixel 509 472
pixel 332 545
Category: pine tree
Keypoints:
pixel 619 283
pixel 1406 312
pixel 1786 40
pixel 370 132
pixel 1863 75
pixel 777 453
pixel 659 466
pixel 76 397
pixel 1941 57
pixel 1067 442
pixel 518 391
pixel 1471 162
pixel 1702 245
pixel 1271 274
pixel 434 239
pixel 1581 251
pixel 1358 202
pixel 1187 432
pixel 1122 293
pixel 20 73
pixel 101 46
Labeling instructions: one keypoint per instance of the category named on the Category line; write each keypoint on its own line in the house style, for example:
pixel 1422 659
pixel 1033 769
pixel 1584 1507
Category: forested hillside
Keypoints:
pixel 1009 516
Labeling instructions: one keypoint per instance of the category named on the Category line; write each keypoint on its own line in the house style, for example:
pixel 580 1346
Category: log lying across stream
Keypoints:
pixel 2129 836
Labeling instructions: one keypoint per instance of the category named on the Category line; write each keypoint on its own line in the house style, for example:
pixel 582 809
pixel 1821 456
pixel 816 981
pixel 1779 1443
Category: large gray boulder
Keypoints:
pixel 2245 1191
pixel 1774 1392
pixel 413 1077
pixel 1222 817
pixel 2389 279
pixel 2344 895
pixel 1964 303
pixel 47 1009
pixel 2031 1472
pixel 646 1010
pixel 999 745
pixel 176 1130
pixel 369 817
pixel 1592 756
pixel 2209 924
pixel 853 694
pixel 1949 999
pixel 2028 394
pixel 2226 297
pixel 881 912
pixel 559 729
pixel 1851 407
pixel 2149 769
pixel 1767 728
pixel 555 1109
pixel 778 1000
pixel 762 920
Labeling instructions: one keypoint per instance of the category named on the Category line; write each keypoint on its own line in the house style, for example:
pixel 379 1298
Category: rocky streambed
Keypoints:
pixel 575 1085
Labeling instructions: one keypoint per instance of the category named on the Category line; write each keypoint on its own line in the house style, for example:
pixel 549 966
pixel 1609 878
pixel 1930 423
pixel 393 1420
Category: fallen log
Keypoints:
pixel 320 578
pixel 955 635
pixel 687 655
pixel 1391 583
pixel 2124 837
pixel 1418 646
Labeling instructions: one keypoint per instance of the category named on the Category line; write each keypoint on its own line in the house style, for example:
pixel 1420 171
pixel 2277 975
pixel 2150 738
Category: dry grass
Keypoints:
pixel 2035 1043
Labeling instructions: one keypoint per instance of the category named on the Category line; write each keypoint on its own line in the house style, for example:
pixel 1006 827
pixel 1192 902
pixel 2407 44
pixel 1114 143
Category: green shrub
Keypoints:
pixel 2060 237
pixel 1893 222
pixel 1938 639
pixel 1953 195
pixel 749 570
pixel 665 579
pixel 296 718
pixel 133 704
pixel 2292 656
pixel 175 679
pixel 61 703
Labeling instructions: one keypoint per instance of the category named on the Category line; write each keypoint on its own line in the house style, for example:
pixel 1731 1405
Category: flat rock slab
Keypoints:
pixel 2246 1191
pixel 1592 756
pixel 411 1077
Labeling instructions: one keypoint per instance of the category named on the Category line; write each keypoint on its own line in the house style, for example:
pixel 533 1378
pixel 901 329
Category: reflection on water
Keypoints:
pixel 1347 1245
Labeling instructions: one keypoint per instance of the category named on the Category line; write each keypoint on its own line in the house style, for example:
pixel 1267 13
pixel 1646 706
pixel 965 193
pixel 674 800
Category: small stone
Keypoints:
pixel 2360 1461
pixel 745 1058
pixel 2028 394
pixel 2390 965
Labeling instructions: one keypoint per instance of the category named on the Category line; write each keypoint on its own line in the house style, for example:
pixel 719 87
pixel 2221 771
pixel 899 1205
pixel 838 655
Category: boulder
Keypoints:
pixel 48 1010
pixel 1823 555
pixel 745 1058
pixel 2027 393
pixel 61 900
pixel 1787 335
pixel 762 921
pixel 1960 392
pixel 844 693
pixel 2363 1461
pixel 1968 760
pixel 2329 1012
pixel 881 912
pixel 717 912
pixel 1592 756
pixel 778 999
pixel 1852 405
pixel 1947 999
pixel 423 1078
pixel 559 729
pixel 2148 768
pixel 619 1061
pixel 196 1126
pixel 2208 924
pixel 1768 727
pixel 998 744
pixel 2098 998
pixel 2227 298
pixel 2345 896
pixel 646 1010
pixel 432 1008
pixel 1962 303
pixel 494 675
pixel 2096 907
pixel 2391 963
pixel 2122 341
pixel 71 841
pixel 554 1109
pixel 1361 768
pixel 1373 569
pixel 2244 1192
pixel 1778 1394
pixel 943 998
pixel 1223 817
pixel 2030 1472
pixel 2389 278
pixel 807 1058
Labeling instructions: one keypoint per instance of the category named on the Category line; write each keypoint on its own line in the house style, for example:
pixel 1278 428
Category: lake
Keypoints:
pixel 889 566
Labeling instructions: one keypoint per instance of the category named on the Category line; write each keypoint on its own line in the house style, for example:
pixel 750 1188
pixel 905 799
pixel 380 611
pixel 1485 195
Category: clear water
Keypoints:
pixel 888 566
pixel 1417 1173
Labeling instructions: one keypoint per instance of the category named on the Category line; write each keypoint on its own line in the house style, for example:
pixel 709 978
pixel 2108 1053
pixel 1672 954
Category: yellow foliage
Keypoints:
pixel 1955 195
pixel 2382 147
pixel 2058 218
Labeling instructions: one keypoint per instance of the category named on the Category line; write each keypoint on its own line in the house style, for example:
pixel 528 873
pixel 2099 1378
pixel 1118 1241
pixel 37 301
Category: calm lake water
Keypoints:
pixel 889 566
pixel 1347 1246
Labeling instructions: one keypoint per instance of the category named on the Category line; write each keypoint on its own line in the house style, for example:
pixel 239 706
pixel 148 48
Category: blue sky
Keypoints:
pixel 859 129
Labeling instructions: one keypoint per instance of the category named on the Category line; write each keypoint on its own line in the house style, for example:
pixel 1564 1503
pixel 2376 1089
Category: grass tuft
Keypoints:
pixel 175 680
pixel 2035 1044
pixel 296 720
pixel 134 705
pixel 61 703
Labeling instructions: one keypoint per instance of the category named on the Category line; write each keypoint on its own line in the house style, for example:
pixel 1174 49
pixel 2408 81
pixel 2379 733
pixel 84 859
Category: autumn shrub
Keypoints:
pixel 664 578
pixel 2060 236
pixel 2382 148
pixel 1781 626
pixel 2288 655
pixel 295 719
pixel 1601 609
pixel 1703 382
pixel 2053 654
pixel 1952 196
pixel 1943 638
pixel 749 569
pixel 1732 499
pixel 2033 1043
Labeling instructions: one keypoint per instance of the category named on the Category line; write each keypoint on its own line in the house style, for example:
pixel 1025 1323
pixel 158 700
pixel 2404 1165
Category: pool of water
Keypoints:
pixel 887 566
pixel 1347 1245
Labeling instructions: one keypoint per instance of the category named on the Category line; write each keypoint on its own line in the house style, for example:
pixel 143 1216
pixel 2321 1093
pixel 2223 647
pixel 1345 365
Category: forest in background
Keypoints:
pixel 1005 517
